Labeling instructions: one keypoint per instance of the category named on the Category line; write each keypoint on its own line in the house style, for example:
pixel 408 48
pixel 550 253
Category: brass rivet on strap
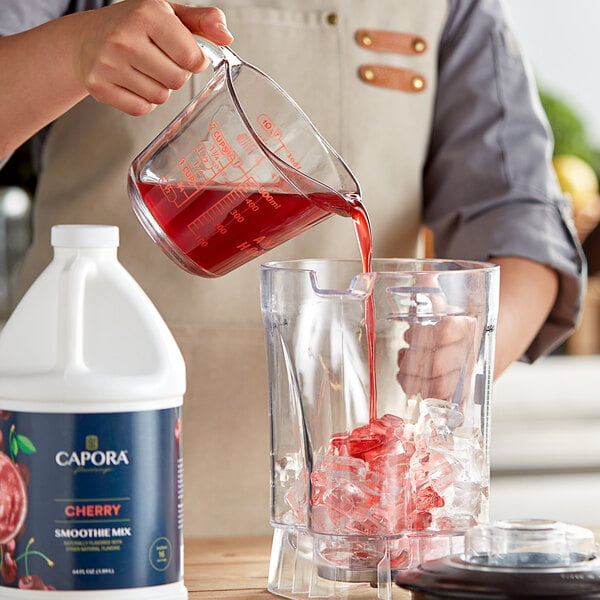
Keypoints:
pixel 369 74
pixel 366 39
pixel 333 18
pixel 417 83
pixel 419 45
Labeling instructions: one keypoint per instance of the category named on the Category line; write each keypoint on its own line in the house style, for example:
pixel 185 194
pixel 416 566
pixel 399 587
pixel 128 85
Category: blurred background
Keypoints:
pixel 545 423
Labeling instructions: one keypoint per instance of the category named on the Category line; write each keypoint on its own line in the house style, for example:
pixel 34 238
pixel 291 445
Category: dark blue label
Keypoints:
pixel 90 501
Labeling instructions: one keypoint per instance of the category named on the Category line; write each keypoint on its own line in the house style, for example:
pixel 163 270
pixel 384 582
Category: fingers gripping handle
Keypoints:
pixel 218 54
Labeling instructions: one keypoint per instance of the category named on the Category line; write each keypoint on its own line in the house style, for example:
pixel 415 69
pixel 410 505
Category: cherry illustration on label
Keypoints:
pixel 13 499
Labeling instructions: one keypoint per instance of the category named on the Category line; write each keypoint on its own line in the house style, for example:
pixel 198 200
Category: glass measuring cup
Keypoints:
pixel 239 171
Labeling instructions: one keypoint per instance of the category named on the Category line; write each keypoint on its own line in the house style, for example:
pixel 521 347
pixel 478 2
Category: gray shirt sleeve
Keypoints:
pixel 17 16
pixel 20 15
pixel 489 186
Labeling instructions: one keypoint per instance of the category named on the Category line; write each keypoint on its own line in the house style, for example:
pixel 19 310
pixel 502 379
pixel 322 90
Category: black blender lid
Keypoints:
pixel 512 560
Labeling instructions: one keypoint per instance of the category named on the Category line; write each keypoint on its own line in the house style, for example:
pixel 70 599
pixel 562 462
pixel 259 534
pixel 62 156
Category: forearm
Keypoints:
pixel 528 292
pixel 130 55
pixel 37 79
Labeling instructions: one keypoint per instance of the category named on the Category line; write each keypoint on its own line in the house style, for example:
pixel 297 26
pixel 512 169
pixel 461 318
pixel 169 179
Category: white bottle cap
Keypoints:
pixel 85 236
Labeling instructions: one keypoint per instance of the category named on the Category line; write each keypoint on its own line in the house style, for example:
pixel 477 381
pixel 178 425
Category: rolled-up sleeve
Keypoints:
pixel 489 186
pixel 17 16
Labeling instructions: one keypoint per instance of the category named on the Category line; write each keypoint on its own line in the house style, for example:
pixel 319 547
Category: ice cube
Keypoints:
pixel 465 497
pixel 389 426
pixel 468 448
pixel 342 464
pixel 296 498
pixel 356 443
pixel 419 520
pixel 445 522
pixel 438 469
pixel 427 498
pixel 391 515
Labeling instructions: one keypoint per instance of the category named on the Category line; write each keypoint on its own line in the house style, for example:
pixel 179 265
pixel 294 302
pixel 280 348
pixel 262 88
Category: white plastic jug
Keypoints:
pixel 91 471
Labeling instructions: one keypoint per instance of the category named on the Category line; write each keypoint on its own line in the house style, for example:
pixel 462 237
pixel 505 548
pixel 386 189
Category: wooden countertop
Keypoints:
pixel 236 568
pixel 232 568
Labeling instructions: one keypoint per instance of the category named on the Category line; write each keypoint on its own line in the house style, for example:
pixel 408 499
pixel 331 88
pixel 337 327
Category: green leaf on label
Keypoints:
pixel 14 446
pixel 25 444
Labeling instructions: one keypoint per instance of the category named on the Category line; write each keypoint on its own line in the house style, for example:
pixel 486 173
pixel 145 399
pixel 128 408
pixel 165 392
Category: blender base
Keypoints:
pixel 348 575
pixel 306 565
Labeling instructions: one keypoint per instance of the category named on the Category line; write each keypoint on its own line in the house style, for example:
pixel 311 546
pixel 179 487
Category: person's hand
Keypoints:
pixel 439 359
pixel 133 53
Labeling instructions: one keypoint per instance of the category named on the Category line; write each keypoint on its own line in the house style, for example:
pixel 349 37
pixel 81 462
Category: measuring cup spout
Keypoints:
pixel 218 54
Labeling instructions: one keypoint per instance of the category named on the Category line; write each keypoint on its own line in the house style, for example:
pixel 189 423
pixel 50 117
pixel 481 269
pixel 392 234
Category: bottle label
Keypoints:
pixel 90 501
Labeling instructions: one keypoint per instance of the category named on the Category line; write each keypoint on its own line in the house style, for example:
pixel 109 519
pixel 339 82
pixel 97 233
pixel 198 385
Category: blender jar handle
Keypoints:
pixel 218 54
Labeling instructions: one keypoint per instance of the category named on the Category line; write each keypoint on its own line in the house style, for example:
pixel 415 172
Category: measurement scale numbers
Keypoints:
pixel 270 134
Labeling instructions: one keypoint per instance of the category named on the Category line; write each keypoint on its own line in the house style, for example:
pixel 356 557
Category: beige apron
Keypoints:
pixel 309 47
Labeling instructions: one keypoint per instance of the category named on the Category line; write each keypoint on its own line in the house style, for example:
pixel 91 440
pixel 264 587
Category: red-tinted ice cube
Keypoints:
pixel 427 498
pixel 344 464
pixel 389 426
pixel 419 520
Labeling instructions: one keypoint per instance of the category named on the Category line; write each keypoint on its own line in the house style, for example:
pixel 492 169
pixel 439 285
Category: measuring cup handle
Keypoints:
pixel 218 54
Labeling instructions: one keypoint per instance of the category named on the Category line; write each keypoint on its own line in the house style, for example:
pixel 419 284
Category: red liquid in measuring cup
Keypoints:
pixel 217 229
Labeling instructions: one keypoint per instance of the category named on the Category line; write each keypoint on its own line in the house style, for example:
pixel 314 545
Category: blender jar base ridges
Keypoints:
pixel 298 570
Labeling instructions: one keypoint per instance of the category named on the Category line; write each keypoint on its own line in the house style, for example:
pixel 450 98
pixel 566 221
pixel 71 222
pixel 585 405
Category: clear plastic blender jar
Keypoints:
pixel 365 481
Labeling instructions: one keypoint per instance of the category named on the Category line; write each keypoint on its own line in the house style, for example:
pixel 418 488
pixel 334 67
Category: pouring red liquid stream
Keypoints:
pixel 362 227
pixel 216 229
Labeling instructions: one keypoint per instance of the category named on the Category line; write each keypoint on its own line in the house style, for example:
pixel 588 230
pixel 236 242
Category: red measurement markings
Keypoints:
pixel 212 162
pixel 217 213
pixel 221 141
pixel 273 132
